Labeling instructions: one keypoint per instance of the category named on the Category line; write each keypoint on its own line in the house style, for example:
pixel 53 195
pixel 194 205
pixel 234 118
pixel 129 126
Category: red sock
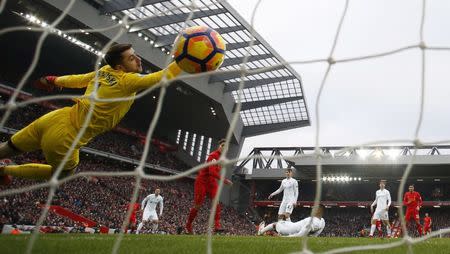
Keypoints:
pixel 192 215
pixel 419 228
pixel 217 217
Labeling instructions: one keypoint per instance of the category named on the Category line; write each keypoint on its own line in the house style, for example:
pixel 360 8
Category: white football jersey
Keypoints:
pixel 290 190
pixel 382 199
pixel 301 228
pixel 151 201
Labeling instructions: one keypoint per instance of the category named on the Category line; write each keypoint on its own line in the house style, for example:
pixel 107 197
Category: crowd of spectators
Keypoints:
pixel 105 199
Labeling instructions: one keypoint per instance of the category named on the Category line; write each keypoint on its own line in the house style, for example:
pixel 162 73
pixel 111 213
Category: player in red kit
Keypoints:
pixel 132 222
pixel 413 202
pixel 427 224
pixel 379 229
pixel 206 183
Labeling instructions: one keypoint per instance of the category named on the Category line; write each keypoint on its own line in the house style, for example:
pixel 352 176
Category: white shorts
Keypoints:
pixel 149 215
pixel 287 228
pixel 380 215
pixel 286 207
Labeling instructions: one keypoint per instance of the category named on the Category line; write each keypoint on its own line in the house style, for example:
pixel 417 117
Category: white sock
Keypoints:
pixel 388 229
pixel 267 228
pixel 139 227
pixel 154 227
pixel 288 219
pixel 372 229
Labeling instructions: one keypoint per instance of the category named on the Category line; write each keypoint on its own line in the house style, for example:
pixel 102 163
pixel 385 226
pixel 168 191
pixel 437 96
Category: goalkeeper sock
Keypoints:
pixel 267 228
pixel 372 229
pixel 30 171
pixel 388 229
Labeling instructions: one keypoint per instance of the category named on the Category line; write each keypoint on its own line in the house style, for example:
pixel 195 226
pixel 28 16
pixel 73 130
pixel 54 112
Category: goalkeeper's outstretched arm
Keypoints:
pixel 134 82
pixel 49 83
pixel 75 81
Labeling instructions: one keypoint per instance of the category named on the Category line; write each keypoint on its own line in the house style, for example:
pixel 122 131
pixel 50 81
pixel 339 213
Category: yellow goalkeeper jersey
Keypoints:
pixel 111 84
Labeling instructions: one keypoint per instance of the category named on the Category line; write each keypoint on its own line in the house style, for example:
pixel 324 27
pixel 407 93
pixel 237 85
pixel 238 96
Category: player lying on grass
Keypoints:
pixel 54 132
pixel 297 229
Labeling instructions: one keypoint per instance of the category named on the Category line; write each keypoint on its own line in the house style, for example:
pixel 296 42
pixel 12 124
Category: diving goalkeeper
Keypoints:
pixel 54 132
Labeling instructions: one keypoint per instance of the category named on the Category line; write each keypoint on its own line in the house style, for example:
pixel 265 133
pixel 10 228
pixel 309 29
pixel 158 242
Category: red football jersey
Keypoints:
pixel 378 224
pixel 412 199
pixel 135 208
pixel 211 173
pixel 427 221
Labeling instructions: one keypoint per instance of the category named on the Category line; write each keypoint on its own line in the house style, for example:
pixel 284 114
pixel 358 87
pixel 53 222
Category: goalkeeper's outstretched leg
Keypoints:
pixel 52 133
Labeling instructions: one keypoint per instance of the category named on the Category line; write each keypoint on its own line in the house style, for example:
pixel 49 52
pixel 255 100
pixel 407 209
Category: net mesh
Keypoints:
pixel 225 162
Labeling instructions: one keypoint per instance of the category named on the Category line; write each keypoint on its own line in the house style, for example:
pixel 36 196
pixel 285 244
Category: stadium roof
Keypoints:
pixel 369 163
pixel 273 97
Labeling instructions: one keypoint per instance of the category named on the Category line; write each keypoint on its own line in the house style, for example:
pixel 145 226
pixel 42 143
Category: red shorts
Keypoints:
pixel 426 228
pixel 133 220
pixel 203 188
pixel 412 214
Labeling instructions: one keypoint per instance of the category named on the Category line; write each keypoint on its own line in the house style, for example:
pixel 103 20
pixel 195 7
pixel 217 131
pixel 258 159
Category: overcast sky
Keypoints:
pixel 366 100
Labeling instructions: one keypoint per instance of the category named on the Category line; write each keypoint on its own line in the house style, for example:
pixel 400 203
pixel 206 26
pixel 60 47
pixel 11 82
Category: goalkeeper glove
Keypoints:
pixel 47 83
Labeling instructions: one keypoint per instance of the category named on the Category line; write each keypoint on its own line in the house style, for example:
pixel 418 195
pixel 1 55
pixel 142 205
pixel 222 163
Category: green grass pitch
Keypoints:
pixel 184 244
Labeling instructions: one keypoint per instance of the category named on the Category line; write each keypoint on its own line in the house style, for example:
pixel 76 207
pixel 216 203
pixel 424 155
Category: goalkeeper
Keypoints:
pixel 53 133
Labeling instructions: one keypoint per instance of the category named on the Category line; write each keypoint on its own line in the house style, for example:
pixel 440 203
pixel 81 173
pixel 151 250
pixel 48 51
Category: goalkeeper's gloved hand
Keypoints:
pixel 46 83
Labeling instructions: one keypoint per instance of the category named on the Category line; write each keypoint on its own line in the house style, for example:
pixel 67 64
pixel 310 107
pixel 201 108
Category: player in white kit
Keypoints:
pixel 298 229
pixel 289 186
pixel 149 206
pixel 382 201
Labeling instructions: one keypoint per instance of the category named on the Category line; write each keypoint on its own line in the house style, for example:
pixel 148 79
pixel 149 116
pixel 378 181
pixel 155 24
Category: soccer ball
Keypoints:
pixel 199 49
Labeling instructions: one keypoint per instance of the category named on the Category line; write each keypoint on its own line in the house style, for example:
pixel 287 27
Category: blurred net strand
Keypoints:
pixel 139 170
pixel 224 162
pixel 317 150
pixel 416 133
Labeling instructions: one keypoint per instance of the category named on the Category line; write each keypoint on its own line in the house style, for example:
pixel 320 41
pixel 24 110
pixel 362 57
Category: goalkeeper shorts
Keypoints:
pixel 54 134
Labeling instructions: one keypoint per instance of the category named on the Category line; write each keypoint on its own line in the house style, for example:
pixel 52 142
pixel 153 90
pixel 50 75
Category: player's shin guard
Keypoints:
pixel 217 217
